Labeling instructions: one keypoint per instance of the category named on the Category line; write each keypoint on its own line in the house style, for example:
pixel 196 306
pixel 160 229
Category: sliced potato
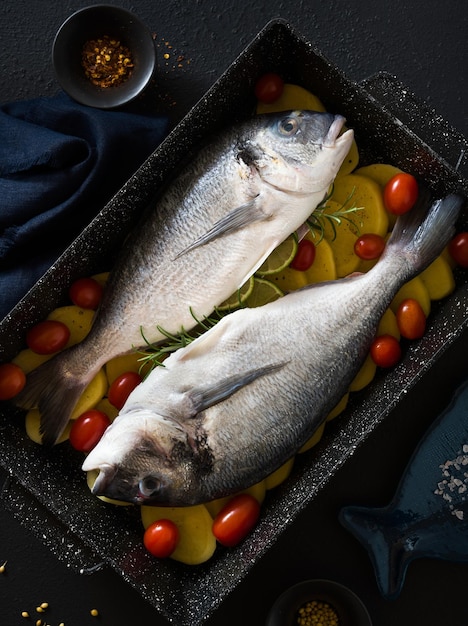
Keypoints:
pixel 360 191
pixel 351 160
pixel 29 360
pixel 341 240
pixel 197 542
pixel 438 279
pixel 78 320
pixel 339 408
pixel 280 475
pixel 106 407
pixel 364 376
pixel 289 279
pixel 93 394
pixel 380 172
pixel 323 268
pixel 313 441
pixel 101 278
pixel 388 325
pixel 120 364
pixel 415 288
pixel 32 424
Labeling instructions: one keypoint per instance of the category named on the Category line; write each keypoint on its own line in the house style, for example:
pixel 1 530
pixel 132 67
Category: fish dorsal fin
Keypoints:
pixel 235 220
pixel 207 396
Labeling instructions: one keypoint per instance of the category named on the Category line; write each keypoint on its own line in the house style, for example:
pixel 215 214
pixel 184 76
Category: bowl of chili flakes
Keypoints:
pixel 103 56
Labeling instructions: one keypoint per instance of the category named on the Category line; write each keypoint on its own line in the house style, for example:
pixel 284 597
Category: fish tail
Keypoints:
pixel 53 390
pixel 389 549
pixel 421 234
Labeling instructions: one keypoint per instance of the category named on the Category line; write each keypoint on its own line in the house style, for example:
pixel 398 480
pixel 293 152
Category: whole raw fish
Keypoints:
pixel 214 226
pixel 428 516
pixel 235 404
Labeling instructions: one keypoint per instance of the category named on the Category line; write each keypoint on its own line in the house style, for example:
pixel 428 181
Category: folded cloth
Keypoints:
pixel 60 162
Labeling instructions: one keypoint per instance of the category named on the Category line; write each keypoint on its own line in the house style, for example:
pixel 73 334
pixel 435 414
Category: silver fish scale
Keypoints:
pixel 319 368
pixel 239 401
pixel 235 202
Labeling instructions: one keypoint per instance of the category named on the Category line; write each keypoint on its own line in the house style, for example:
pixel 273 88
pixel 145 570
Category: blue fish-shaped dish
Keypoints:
pixel 428 516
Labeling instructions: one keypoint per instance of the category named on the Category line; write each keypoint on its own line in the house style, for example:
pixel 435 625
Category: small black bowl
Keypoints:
pixel 92 23
pixel 348 607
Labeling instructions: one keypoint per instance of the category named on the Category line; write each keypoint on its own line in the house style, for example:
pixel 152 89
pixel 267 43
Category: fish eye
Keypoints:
pixel 148 486
pixel 288 126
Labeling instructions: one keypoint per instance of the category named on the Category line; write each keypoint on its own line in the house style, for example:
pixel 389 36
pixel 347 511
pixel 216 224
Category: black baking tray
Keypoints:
pixel 47 491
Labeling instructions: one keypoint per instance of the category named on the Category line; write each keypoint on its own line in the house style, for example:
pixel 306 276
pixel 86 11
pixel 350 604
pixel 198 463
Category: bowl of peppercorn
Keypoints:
pixel 323 602
pixel 103 56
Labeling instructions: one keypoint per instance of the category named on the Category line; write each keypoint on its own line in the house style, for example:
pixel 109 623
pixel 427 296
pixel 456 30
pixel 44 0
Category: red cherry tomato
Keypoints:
pixel 458 249
pixel 236 519
pixel 385 351
pixel 411 319
pixel 161 538
pixel 48 337
pixel 269 88
pixel 400 193
pixel 86 293
pixel 369 246
pixel 12 380
pixel 122 387
pixel 88 429
pixel 304 256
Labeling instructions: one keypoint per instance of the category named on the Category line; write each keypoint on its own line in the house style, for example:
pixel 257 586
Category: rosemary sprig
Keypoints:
pixel 320 217
pixel 155 353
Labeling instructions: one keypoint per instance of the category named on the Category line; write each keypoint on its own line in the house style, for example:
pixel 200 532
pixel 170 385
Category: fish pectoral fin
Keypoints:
pixel 207 396
pixel 235 220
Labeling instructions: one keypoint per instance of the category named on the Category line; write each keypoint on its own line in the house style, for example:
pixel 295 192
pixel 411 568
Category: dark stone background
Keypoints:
pixel 423 43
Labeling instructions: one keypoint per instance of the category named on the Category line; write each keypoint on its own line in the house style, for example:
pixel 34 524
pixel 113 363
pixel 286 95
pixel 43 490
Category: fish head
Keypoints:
pixel 143 458
pixel 299 151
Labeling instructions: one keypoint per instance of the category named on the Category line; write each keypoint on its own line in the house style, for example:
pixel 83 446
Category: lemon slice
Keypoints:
pixel 264 291
pixel 239 297
pixel 280 258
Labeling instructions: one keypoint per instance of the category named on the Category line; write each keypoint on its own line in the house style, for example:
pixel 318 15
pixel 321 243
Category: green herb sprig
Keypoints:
pixel 155 353
pixel 320 217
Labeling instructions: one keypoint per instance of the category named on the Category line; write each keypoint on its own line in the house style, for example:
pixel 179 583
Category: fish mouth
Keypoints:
pixel 334 131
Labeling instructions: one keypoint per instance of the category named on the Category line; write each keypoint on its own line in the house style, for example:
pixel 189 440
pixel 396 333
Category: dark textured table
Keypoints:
pixel 423 43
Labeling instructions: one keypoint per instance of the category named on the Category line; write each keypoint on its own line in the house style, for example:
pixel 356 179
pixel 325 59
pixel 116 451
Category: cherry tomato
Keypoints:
pixel 411 319
pixel 48 337
pixel 236 519
pixel 122 387
pixel 385 351
pixel 369 246
pixel 86 293
pixel 88 429
pixel 400 193
pixel 269 88
pixel 304 256
pixel 458 249
pixel 161 538
pixel 12 380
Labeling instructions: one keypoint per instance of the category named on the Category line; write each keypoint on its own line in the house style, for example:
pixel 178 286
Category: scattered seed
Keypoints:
pixel 317 613
pixel 24 614
pixel 39 622
pixel 39 609
pixel 94 612
pixel 44 605
pixel 3 567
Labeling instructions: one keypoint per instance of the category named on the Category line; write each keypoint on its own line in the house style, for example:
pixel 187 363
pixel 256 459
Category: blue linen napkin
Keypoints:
pixel 60 162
